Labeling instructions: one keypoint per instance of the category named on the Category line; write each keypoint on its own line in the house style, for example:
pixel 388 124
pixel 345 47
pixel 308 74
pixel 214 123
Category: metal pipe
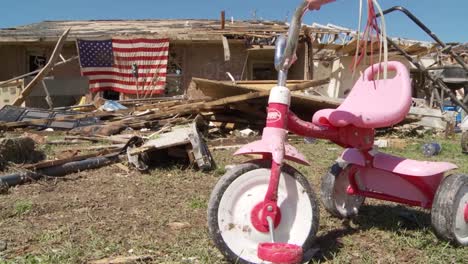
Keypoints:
pixel 436 80
pixel 287 58
pixel 59 170
pixel 425 29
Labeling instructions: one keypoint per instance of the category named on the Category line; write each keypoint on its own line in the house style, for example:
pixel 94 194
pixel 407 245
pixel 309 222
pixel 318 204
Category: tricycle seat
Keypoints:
pixel 372 103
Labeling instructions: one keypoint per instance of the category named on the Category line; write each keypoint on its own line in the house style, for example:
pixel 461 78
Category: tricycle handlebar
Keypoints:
pixel 285 54
pixel 287 58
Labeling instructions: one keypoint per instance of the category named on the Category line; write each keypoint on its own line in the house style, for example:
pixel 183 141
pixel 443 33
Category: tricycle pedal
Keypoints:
pixel 280 253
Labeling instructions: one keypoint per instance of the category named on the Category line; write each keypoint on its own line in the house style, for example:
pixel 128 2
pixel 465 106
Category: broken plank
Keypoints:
pixel 214 104
pixel 99 147
pixel 66 142
pixel 348 47
pixel 234 119
pixel 257 94
pixel 122 167
pixel 176 137
pixel 227 52
pixel 50 163
pixel 92 139
pixel 123 260
pixel 124 113
pixel 218 89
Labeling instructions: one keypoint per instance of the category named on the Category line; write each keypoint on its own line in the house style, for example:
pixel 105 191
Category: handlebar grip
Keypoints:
pixel 316 4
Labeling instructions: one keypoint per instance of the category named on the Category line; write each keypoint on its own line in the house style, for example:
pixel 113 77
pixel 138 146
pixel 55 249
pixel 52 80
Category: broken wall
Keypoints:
pixel 13 64
pixel 21 59
pixel 71 69
pixel 342 76
pixel 206 60
pixel 13 61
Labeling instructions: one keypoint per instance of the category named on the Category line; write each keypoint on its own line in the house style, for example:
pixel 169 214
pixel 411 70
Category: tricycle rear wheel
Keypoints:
pixel 449 215
pixel 333 193
pixel 464 142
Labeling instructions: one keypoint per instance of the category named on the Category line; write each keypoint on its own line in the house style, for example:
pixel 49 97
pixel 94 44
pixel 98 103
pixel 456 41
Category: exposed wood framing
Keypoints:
pixel 227 52
pixel 44 71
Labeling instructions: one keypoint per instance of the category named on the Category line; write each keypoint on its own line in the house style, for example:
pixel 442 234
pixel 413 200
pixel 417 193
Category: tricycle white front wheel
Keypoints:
pixel 240 190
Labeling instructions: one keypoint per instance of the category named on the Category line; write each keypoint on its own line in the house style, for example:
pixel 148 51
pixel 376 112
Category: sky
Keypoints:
pixel 446 18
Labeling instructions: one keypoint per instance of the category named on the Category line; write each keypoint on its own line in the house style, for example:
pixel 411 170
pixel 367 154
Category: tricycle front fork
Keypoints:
pixel 278 108
pixel 279 121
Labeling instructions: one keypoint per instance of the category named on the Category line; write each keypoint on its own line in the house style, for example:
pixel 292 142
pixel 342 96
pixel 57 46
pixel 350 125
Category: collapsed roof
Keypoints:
pixel 331 37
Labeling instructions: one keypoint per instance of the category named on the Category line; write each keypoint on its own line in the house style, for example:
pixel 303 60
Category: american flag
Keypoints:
pixel 108 64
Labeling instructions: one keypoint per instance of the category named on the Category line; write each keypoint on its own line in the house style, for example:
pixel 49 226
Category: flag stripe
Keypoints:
pixel 139 45
pixel 161 66
pixel 142 54
pixel 139 40
pixel 128 83
pixel 140 58
pixel 126 91
pixel 102 78
pixel 126 87
pixel 140 49
pixel 95 74
pixel 126 68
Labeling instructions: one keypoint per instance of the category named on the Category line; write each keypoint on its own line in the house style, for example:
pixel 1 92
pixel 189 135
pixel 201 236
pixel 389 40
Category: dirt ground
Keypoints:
pixel 109 212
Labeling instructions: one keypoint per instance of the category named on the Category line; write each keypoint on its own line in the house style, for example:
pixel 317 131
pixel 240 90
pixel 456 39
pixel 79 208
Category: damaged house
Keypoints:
pixel 208 49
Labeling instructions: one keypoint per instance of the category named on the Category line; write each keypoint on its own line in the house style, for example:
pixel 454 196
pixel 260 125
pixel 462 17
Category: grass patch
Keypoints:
pixel 198 203
pixel 219 171
pixel 22 207
pixel 451 151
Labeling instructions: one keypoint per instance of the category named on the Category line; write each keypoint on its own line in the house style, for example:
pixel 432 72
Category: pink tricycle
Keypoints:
pixel 265 210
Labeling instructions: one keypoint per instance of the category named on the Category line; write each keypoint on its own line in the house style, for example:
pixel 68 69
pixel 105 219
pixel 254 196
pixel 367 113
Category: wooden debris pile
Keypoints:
pixel 144 130
pixel 246 109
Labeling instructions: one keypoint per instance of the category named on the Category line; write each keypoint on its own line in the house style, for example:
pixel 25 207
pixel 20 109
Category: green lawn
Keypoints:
pixel 107 212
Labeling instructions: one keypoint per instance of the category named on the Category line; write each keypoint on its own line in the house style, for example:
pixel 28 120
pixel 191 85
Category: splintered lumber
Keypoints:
pixel 123 259
pixel 177 137
pixel 197 107
pixel 220 89
pixel 98 147
pixel 50 163
pixel 234 119
pixel 44 71
pixel 258 94
pixel 122 113
pixel 97 138
pixel 168 110
pixel 204 106
pixel 303 105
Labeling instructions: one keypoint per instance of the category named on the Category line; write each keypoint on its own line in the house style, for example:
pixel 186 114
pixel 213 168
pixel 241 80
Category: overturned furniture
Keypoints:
pixel 184 142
